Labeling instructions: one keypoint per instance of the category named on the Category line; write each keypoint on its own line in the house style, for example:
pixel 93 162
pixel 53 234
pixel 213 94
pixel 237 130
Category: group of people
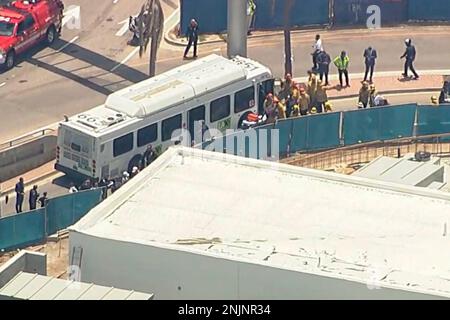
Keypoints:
pixel 33 199
pixel 295 100
pixel 112 184
pixel 322 60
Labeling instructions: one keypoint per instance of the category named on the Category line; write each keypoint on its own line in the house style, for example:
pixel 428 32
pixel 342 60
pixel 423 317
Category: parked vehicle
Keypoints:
pixel 25 24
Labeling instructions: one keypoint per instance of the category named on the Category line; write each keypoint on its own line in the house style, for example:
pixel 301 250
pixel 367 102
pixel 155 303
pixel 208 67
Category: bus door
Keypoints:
pixel 195 118
pixel 265 88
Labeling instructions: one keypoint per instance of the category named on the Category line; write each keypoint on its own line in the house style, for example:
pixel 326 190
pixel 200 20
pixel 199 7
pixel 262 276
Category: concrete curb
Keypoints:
pixel 387 92
pixel 179 43
pixel 29 183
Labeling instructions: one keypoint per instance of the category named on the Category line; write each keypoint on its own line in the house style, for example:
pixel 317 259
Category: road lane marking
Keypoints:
pixel 135 50
pixel 124 27
pixel 115 1
pixel 2 84
pixel 68 44
pixel 73 12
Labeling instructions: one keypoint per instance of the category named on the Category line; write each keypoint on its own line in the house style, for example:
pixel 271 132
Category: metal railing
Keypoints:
pixel 26 138
pixel 356 155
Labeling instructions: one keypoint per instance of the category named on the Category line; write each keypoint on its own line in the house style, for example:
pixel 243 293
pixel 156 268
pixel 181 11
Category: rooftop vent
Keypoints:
pixel 422 156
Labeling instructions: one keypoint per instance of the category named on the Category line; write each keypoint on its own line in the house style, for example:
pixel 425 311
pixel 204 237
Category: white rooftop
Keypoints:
pixel 405 170
pixel 284 216
pixel 28 286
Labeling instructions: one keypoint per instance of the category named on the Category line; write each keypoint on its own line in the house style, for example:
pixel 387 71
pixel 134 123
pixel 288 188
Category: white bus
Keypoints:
pixel 111 138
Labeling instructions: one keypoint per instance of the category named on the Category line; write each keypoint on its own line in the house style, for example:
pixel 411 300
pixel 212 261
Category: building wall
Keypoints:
pixel 173 274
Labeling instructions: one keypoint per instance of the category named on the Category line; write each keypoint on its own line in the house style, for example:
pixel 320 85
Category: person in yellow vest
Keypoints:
pixel 434 101
pixel 291 102
pixel 295 110
pixel 304 102
pixel 281 109
pixel 328 107
pixel 251 8
pixel 321 97
pixel 341 62
pixel 312 88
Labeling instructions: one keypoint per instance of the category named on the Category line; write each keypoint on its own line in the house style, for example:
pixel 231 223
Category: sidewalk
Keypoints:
pixel 386 83
pixel 171 33
pixel 31 177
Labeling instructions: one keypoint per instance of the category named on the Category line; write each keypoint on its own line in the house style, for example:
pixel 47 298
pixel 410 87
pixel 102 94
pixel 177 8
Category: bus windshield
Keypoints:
pixel 6 29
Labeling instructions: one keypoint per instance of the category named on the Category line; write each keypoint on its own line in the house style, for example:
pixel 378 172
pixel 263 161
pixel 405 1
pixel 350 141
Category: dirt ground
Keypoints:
pixel 57 256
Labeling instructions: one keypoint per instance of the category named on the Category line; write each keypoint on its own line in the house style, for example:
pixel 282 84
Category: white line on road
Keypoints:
pixel 73 12
pixel 2 84
pixel 115 1
pixel 68 44
pixel 135 50
pixel 123 29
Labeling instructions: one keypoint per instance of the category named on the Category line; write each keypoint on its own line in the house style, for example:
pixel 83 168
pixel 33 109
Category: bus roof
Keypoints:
pixel 180 85
pixel 169 89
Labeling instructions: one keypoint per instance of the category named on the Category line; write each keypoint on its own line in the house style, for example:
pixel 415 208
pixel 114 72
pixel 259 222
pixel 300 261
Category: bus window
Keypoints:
pixel 123 144
pixel 169 126
pixel 244 99
pixel 147 135
pixel 196 115
pixel 219 109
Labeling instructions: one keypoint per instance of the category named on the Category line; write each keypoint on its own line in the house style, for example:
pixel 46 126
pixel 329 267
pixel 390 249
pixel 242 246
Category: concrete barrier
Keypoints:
pixel 22 158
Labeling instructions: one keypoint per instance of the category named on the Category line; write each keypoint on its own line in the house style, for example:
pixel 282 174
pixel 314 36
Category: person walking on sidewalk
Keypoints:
pixel 410 55
pixel 324 61
pixel 341 62
pixel 370 57
pixel 192 35
pixel 20 195
pixel 317 48
pixel 34 195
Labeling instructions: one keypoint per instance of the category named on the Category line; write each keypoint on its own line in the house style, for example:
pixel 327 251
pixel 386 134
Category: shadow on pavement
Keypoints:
pixel 79 53
pixel 63 182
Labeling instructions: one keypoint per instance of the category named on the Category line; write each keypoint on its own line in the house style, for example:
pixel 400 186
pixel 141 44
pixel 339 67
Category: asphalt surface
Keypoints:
pixel 74 74
pixel 81 68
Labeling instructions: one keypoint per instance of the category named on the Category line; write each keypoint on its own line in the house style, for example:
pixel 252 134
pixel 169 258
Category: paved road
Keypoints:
pixel 75 74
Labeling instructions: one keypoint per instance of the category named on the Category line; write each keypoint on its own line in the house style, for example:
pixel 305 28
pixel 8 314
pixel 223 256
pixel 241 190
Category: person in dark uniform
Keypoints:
pixel 34 195
pixel 149 156
pixel 410 55
pixel 20 195
pixel 43 200
pixel 192 35
pixel 370 56
pixel 324 61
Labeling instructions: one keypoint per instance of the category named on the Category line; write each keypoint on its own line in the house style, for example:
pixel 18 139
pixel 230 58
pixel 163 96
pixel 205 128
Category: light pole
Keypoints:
pixel 287 38
pixel 151 26
pixel 237 28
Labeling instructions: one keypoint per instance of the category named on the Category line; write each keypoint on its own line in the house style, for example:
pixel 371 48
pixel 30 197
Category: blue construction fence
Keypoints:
pixel 33 227
pixel 334 130
pixel 270 14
